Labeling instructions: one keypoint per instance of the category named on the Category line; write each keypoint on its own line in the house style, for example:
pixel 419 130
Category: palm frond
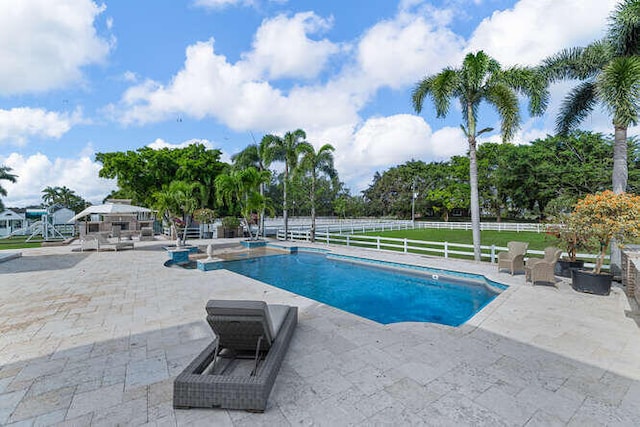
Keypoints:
pixel 618 87
pixel 532 83
pixel 505 100
pixel 624 28
pixel 576 106
pixel 440 87
pixel 576 62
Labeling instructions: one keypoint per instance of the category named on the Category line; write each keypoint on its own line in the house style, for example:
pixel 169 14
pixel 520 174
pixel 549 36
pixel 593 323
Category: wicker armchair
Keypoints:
pixel 514 259
pixel 542 269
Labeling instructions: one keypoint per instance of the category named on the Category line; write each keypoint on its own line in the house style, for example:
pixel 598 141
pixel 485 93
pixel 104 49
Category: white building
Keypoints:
pixel 10 222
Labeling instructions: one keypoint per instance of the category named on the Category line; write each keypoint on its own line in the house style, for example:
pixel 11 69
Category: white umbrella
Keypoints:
pixel 110 208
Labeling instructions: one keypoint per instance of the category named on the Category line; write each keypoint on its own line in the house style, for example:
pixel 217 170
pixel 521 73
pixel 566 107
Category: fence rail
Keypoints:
pixel 422 247
pixel 363 226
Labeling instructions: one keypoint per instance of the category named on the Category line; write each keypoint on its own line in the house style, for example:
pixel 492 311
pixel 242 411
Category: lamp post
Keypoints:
pixel 414 195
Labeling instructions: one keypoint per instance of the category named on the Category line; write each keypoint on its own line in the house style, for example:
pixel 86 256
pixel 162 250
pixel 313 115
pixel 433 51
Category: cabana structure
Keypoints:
pixel 121 216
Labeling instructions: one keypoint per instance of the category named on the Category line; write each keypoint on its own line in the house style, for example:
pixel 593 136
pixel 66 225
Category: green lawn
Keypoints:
pixel 19 242
pixel 537 241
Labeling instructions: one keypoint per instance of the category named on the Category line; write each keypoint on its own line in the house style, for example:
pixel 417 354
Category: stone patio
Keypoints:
pixel 97 338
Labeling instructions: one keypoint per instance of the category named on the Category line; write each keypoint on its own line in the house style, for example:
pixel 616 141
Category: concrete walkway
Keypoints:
pixel 97 338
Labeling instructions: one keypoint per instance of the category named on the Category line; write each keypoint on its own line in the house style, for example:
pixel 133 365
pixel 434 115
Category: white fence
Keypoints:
pixel 443 249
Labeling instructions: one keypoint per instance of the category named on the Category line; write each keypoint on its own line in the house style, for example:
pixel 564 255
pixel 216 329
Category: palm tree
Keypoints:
pixel 286 149
pixel 259 156
pixel 316 163
pixel 241 187
pixel 5 176
pixel 481 78
pixel 610 73
pixel 50 195
pixel 177 198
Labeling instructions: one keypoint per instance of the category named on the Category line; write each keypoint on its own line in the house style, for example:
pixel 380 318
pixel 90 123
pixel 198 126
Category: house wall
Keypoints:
pixel 631 271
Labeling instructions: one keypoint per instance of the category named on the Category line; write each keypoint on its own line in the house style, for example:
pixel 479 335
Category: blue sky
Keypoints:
pixel 80 77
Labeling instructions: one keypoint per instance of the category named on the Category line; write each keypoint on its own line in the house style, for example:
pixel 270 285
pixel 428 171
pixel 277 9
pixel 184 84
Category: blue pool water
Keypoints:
pixel 380 294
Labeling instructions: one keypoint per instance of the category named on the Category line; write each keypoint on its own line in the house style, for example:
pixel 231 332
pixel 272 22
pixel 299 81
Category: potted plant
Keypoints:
pixel 205 217
pixel 230 227
pixel 571 241
pixel 601 218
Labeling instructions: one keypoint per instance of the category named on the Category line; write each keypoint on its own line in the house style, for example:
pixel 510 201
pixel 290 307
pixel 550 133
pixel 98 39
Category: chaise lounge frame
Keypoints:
pixel 196 388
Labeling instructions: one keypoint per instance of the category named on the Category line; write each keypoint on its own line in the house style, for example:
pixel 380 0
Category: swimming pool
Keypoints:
pixel 380 294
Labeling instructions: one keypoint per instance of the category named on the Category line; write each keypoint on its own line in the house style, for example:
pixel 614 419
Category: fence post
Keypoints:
pixel 405 245
pixel 517 227
pixel 348 239
pixel 493 254
pixel 378 242
pixel 327 235
pixel 446 249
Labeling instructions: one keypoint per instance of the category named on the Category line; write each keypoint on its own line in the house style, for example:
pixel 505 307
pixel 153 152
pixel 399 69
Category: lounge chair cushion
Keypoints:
pixel 277 313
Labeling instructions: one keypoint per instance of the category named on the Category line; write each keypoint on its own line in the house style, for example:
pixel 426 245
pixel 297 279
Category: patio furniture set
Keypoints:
pixel 537 270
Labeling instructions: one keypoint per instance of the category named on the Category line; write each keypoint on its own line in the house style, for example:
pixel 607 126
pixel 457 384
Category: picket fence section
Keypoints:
pixel 423 247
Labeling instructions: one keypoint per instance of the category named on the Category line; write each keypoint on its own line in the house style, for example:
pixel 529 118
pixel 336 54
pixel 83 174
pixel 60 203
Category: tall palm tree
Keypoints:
pixel 5 176
pixel 259 156
pixel 316 163
pixel 609 70
pixel 241 187
pixel 287 149
pixel 481 78
pixel 50 195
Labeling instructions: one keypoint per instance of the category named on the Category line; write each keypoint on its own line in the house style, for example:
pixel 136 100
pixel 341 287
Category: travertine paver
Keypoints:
pixel 97 338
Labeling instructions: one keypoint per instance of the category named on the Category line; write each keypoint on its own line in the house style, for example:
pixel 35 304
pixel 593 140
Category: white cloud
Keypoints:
pixel 399 52
pixel 38 171
pixel 160 143
pixel 302 57
pixel 44 44
pixel 535 29
pixel 17 125
pixel 383 142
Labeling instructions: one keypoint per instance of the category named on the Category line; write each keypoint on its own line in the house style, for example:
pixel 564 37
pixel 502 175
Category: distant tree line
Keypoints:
pixel 515 181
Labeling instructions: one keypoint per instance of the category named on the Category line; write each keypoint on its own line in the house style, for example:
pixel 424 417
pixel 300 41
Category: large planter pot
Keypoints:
pixel 591 283
pixel 563 267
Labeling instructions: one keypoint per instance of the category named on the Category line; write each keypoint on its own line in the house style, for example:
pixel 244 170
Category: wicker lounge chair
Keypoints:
pixel 514 259
pixel 249 332
pixel 542 269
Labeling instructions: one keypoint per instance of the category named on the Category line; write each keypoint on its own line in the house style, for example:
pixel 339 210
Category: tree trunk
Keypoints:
pixel 619 184
pixel 261 222
pixel 475 203
pixel 313 210
pixel 285 214
pixel 620 169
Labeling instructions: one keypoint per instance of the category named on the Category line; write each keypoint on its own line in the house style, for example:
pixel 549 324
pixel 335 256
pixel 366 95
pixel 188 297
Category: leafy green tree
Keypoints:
pixel 481 78
pixel 610 73
pixel 5 176
pixel 316 163
pixel 241 188
pixel 286 149
pixel 145 171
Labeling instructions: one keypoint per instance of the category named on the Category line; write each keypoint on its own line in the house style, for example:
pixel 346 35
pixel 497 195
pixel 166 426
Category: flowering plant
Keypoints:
pixel 605 216
pixel 205 215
